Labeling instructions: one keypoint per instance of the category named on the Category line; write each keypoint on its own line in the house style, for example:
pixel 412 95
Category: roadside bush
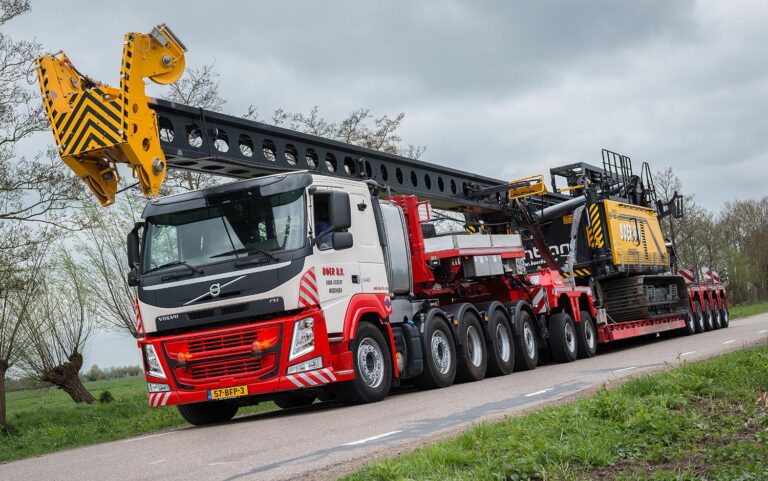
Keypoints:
pixel 106 397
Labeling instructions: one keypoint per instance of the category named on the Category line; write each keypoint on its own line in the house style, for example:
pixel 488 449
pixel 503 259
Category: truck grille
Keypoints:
pixel 223 342
pixel 200 373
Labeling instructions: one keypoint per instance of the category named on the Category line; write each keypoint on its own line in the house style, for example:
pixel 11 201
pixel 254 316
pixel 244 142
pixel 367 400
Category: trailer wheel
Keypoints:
pixel 697 314
pixel 707 315
pixel 501 344
pixel 372 365
pixel 690 323
pixel 586 336
pixel 724 319
pixel 717 322
pixel 439 356
pixel 472 354
pixel 209 412
pixel 294 400
pixel 562 337
pixel 527 349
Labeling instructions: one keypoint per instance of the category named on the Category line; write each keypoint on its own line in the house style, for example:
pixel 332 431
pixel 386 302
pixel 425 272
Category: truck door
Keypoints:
pixel 337 271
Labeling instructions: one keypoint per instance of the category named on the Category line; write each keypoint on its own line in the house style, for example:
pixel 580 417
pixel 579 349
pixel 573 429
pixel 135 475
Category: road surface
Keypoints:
pixel 326 439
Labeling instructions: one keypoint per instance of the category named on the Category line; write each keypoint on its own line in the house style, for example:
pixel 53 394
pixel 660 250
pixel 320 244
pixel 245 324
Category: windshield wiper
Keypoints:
pixel 176 263
pixel 249 250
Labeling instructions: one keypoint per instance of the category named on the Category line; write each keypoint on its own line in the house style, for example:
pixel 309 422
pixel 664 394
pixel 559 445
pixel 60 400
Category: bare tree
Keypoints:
pixel 59 327
pixel 105 253
pixel 198 87
pixel 19 286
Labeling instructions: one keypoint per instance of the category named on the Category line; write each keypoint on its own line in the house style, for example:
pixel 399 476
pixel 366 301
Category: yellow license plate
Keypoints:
pixel 227 392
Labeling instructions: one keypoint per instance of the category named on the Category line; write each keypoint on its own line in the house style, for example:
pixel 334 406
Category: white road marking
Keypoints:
pixel 530 394
pixel 158 461
pixel 687 353
pixel 625 369
pixel 728 342
pixel 217 464
pixel 144 437
pixel 763 331
pixel 372 438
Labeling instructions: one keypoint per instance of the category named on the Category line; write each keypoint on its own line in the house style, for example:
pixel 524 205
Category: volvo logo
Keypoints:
pixel 214 290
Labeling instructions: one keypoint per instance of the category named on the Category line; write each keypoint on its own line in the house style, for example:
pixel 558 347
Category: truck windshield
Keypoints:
pixel 258 226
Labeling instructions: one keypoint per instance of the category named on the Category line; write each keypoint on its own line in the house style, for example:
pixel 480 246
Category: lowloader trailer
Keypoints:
pixel 323 272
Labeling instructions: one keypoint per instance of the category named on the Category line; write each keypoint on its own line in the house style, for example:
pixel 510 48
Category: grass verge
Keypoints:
pixel 706 420
pixel 46 420
pixel 748 309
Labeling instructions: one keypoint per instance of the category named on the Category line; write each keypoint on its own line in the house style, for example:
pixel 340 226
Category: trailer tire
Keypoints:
pixel 372 365
pixel 717 322
pixel 439 356
pixel 587 336
pixel 707 316
pixel 690 323
pixel 562 337
pixel 294 400
pixel 501 346
pixel 724 317
pixel 699 317
pixel 527 349
pixel 209 412
pixel 473 352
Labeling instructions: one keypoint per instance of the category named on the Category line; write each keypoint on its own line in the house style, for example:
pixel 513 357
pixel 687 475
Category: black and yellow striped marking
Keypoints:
pixel 92 124
pixel 577 273
pixel 595 236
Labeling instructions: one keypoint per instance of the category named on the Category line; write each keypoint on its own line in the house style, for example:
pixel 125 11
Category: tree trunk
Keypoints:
pixel 3 369
pixel 65 376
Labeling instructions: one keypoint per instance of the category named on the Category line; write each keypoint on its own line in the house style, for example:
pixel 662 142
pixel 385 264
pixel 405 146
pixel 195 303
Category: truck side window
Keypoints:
pixel 322 221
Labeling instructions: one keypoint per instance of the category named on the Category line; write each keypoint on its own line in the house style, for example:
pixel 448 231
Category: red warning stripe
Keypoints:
pixel 308 295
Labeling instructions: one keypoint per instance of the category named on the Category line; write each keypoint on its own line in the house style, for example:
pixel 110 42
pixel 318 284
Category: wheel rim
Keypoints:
pixel 725 318
pixel 370 361
pixel 474 346
pixel 570 338
pixel 530 341
pixel 691 322
pixel 589 334
pixel 503 344
pixel 441 352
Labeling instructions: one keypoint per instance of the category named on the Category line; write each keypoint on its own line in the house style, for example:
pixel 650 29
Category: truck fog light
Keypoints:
pixel 303 341
pixel 154 368
pixel 311 365
pixel 156 387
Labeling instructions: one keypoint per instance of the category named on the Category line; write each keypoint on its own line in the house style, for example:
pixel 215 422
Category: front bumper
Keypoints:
pixel 216 358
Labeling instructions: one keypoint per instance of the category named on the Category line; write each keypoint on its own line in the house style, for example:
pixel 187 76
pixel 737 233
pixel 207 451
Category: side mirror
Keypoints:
pixel 339 214
pixel 133 246
pixel 133 277
pixel 341 240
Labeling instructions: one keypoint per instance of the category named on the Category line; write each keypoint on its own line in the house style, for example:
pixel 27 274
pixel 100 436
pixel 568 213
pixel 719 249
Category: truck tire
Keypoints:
pixel 527 349
pixel 717 322
pixel 586 335
pixel 439 356
pixel 372 366
pixel 294 400
pixel 562 337
pixel 725 320
pixel 501 346
pixel 209 412
pixel 690 323
pixel 472 354
pixel 707 315
pixel 699 317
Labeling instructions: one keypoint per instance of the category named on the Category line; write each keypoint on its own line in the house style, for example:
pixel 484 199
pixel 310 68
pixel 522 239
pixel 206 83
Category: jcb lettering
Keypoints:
pixel 627 232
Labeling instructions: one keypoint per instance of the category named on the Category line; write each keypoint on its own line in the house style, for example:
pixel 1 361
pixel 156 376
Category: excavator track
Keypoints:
pixel 644 297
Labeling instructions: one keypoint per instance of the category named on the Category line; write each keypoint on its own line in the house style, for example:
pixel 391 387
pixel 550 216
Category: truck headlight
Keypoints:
pixel 303 341
pixel 154 368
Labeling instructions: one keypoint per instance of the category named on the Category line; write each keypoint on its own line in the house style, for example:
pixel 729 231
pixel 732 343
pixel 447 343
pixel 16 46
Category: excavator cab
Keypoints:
pixel 98 126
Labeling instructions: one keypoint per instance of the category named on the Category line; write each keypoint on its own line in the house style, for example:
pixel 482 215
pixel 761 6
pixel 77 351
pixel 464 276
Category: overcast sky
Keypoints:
pixel 505 89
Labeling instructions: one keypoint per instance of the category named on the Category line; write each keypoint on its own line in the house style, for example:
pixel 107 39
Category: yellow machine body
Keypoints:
pixel 634 235
pixel 97 126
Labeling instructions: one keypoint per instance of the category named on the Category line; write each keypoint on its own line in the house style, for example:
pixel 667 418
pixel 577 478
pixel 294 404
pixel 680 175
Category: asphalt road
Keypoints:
pixel 325 439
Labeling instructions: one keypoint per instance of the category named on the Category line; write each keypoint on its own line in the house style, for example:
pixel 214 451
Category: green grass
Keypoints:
pixel 706 420
pixel 45 420
pixel 748 309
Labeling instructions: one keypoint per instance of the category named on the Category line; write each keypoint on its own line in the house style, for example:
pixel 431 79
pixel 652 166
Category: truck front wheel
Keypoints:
pixel 373 368
pixel 207 412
